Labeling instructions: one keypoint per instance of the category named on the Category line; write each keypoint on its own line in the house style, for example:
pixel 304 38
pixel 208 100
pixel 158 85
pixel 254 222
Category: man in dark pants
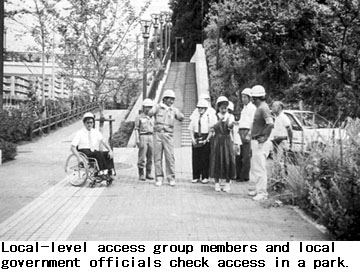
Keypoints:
pixel 245 123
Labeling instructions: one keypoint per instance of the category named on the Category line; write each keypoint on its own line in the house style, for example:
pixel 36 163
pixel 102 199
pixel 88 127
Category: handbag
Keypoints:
pixel 199 141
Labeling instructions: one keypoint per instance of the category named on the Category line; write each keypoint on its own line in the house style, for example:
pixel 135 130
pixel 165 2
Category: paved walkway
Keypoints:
pixel 37 203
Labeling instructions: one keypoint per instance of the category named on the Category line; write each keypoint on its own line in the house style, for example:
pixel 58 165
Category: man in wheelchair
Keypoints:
pixel 87 141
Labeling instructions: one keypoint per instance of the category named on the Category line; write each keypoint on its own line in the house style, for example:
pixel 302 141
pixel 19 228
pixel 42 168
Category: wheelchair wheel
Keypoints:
pixel 77 171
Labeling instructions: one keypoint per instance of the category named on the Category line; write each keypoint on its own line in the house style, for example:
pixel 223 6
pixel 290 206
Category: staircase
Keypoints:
pixel 190 98
pixel 182 80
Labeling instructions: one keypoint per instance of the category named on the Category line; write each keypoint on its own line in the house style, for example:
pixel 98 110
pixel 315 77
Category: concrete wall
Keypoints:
pixel 202 79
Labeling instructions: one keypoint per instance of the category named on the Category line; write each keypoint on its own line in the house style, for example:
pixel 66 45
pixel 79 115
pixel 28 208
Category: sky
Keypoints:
pixel 19 42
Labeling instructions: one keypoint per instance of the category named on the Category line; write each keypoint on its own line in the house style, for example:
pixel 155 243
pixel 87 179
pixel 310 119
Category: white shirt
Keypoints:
pixel 206 122
pixel 208 119
pixel 247 116
pixel 81 139
pixel 280 125
pixel 235 134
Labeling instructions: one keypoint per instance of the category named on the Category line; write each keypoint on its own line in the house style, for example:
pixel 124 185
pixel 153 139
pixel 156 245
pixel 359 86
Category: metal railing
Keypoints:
pixel 52 122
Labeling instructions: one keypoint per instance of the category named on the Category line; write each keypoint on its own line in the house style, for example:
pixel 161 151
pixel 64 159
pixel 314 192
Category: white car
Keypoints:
pixel 311 129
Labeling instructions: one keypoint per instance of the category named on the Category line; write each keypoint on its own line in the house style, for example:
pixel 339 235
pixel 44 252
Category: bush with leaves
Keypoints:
pixel 8 149
pixel 299 50
pixel 14 125
pixel 326 183
pixel 122 136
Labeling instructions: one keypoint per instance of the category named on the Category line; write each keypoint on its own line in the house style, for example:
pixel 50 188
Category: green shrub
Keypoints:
pixel 326 183
pixel 8 150
pixel 14 125
pixel 122 136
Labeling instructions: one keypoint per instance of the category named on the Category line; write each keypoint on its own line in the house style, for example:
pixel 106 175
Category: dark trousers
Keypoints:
pixel 201 161
pixel 102 158
pixel 243 161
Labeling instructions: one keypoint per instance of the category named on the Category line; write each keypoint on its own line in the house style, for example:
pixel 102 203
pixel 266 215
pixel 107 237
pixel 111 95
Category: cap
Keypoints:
pixel 222 99
pixel 88 115
pixel 169 93
pixel 247 91
pixel 258 91
pixel 202 104
pixel 147 102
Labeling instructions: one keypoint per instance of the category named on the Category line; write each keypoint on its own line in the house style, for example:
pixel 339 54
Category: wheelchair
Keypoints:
pixel 79 172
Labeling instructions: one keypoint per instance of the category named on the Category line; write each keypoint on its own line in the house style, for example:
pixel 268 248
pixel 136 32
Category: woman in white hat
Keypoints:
pixel 222 162
pixel 200 132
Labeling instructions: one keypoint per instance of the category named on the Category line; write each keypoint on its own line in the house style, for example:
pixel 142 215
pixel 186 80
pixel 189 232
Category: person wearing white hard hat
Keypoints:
pixel 260 144
pixel 144 134
pixel 222 160
pixel 165 115
pixel 88 141
pixel 200 133
pixel 245 124
pixel 209 111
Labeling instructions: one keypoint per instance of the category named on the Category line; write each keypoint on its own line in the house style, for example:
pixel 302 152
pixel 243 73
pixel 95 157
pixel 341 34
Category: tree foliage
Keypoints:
pixel 188 22
pixel 96 42
pixel 299 50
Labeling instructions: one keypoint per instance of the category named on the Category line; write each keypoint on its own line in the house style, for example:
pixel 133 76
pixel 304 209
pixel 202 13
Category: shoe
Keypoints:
pixel 195 180
pixel 226 188
pixel 158 182
pixel 204 181
pixel 260 197
pixel 149 176
pixel 172 182
pixel 251 193
pixel 141 177
pixel 141 174
pixel 217 187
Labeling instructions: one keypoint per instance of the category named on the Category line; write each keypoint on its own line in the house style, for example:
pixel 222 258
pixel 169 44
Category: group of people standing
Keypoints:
pixel 236 150
pixel 222 149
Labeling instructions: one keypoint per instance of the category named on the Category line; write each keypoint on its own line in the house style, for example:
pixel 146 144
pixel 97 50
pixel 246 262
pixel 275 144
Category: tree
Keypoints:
pixel 299 50
pixel 38 18
pixel 96 42
pixel 188 22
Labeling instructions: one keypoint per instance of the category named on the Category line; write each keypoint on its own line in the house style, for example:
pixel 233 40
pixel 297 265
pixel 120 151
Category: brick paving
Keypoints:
pixel 39 204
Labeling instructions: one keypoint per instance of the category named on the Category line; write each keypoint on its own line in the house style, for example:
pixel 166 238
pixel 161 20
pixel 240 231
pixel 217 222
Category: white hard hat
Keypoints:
pixel 231 106
pixel 222 99
pixel 147 102
pixel 169 93
pixel 247 91
pixel 88 115
pixel 202 104
pixel 204 96
pixel 258 91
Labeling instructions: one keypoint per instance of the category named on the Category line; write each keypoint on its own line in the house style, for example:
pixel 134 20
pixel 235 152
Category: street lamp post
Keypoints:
pixel 176 48
pixel 145 25
pixel 167 30
pixel 162 20
pixel 155 22
pixel 169 35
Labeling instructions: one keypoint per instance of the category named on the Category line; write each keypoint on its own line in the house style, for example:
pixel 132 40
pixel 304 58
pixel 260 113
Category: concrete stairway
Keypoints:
pixel 182 80
pixel 190 99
